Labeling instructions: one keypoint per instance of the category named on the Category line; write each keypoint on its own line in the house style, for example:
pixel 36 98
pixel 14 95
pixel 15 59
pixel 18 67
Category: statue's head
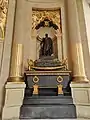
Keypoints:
pixel 46 35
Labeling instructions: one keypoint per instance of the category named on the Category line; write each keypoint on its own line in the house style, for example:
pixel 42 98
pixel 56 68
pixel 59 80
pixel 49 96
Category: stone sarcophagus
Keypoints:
pixel 48 81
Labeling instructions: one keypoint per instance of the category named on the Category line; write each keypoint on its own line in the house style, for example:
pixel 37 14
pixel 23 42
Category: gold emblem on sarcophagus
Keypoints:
pixel 60 91
pixel 35 79
pixel 60 86
pixel 59 79
pixel 35 86
pixel 35 89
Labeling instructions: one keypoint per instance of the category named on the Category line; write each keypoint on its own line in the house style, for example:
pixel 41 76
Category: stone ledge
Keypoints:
pixel 15 85
pixel 79 85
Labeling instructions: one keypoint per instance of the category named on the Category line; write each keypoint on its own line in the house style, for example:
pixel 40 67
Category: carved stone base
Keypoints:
pixel 13 100
pixel 81 98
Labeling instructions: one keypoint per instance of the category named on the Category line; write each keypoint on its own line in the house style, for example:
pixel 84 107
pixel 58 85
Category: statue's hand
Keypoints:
pixel 38 38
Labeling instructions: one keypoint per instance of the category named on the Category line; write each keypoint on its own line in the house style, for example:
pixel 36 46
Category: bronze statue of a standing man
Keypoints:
pixel 46 46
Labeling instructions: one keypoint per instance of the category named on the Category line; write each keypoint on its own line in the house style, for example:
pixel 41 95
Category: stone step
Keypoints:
pixel 48 100
pixel 48 111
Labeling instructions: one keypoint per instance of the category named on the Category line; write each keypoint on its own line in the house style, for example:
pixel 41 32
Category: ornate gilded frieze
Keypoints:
pixel 39 15
pixel 3 16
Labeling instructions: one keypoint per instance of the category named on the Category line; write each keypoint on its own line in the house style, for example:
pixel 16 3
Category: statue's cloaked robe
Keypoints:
pixel 46 47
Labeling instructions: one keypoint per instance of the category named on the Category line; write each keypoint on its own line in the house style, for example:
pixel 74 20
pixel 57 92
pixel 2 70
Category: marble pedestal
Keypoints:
pixel 81 98
pixel 13 100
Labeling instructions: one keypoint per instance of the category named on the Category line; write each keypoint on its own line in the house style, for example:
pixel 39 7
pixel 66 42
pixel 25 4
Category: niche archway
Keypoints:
pixel 47 21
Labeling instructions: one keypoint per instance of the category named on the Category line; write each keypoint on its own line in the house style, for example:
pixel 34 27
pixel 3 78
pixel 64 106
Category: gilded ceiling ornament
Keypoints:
pixel 40 15
pixel 3 16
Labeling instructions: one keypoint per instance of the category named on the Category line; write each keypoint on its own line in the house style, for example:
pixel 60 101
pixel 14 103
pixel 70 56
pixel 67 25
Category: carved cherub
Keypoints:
pixel 30 64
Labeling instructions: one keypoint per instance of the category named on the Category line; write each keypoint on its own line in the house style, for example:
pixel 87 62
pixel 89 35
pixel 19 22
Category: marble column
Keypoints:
pixel 16 64
pixel 76 42
pixel 78 64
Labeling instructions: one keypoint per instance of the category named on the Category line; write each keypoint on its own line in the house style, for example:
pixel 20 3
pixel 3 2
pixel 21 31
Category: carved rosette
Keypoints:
pixel 3 16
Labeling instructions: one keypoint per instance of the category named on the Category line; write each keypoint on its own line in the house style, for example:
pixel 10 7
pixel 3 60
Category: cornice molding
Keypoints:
pixel 42 1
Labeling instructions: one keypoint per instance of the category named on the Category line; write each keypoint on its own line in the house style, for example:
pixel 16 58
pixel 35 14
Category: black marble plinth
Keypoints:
pixel 48 107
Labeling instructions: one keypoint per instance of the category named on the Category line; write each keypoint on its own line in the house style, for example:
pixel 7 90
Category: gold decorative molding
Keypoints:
pixel 49 68
pixel 42 1
pixel 39 15
pixel 15 79
pixel 48 72
pixel 3 17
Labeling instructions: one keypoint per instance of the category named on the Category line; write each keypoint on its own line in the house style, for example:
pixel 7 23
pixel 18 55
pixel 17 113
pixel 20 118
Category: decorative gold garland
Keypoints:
pixel 3 16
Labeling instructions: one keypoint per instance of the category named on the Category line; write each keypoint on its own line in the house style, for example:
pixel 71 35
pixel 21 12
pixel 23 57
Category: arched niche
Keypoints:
pixel 47 24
